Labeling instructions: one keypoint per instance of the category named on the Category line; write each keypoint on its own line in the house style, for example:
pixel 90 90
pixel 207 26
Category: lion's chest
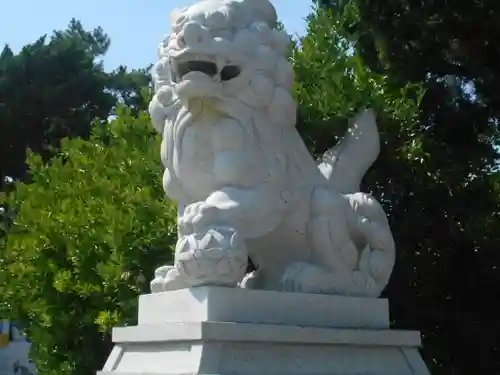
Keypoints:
pixel 196 162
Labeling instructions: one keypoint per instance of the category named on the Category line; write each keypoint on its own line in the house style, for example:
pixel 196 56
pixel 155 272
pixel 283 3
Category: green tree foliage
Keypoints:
pixel 445 209
pixel 55 88
pixel 333 84
pixel 88 232
pixel 131 88
pixel 89 229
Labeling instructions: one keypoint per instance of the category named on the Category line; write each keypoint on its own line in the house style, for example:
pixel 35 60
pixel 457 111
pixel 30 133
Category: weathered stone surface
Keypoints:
pixel 245 183
pixel 247 186
pixel 211 304
pixel 210 338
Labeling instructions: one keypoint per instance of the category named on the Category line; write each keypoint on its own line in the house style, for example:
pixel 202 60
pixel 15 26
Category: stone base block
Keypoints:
pixel 217 331
pixel 235 305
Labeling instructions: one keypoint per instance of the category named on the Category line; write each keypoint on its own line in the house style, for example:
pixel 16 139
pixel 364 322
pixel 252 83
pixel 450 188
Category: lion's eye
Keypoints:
pixel 230 72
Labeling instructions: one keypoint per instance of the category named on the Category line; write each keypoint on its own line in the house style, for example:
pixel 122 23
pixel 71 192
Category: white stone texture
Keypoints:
pixel 212 304
pixel 247 186
pixel 224 331
pixel 245 183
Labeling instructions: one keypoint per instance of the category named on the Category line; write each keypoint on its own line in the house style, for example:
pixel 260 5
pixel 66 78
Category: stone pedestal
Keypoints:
pixel 219 331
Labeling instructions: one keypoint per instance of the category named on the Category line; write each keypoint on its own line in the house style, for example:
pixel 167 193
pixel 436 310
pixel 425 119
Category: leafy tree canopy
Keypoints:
pixel 87 234
pixel 55 88
pixel 447 211
pixel 92 226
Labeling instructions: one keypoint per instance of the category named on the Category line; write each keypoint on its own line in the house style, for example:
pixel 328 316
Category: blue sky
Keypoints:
pixel 134 26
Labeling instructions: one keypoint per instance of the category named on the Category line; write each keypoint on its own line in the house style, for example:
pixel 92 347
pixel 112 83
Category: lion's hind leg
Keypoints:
pixel 328 232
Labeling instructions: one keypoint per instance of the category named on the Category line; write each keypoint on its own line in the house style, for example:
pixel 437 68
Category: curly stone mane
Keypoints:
pixel 265 88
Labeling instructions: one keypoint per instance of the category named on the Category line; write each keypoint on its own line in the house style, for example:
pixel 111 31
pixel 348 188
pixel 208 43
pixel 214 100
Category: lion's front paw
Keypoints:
pixel 197 217
pixel 167 278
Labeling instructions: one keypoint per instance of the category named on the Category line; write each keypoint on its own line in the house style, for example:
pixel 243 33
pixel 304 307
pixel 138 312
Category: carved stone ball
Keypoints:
pixel 217 257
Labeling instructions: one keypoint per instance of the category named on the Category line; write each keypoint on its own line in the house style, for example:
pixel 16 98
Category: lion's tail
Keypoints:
pixel 345 164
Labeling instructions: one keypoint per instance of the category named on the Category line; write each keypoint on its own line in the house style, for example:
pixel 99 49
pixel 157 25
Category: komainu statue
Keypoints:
pixel 245 183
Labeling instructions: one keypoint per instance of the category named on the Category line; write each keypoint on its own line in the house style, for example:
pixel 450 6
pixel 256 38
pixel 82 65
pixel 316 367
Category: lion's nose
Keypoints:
pixel 193 35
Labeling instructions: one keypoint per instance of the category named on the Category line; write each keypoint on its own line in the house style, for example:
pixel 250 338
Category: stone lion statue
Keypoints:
pixel 245 183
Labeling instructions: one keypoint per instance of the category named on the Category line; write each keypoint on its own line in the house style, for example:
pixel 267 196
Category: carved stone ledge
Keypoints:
pixel 242 332
pixel 214 304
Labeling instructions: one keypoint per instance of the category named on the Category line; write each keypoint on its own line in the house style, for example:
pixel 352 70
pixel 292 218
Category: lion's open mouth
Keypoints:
pixel 207 67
